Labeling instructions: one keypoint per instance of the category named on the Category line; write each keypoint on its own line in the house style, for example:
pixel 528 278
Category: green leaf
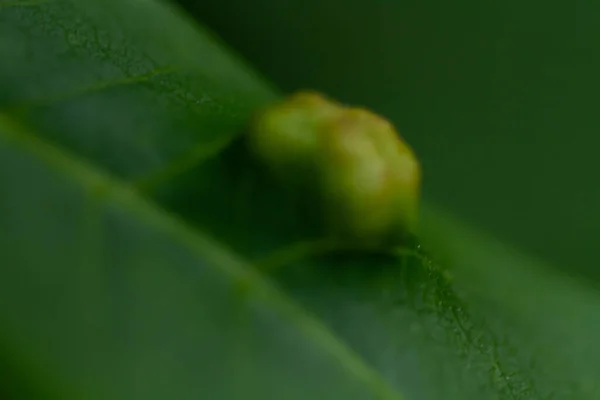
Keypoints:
pixel 103 294
pixel 112 298
pixel 146 255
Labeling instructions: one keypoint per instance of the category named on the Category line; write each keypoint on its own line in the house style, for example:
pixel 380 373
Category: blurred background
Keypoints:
pixel 499 99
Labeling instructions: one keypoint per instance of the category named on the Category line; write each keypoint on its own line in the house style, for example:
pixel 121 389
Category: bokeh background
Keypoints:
pixel 499 99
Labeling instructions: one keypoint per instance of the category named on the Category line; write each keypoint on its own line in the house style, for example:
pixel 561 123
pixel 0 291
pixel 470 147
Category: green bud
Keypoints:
pixel 365 179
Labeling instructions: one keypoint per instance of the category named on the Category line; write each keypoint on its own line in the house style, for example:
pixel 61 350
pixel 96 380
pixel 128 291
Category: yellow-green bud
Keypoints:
pixel 365 178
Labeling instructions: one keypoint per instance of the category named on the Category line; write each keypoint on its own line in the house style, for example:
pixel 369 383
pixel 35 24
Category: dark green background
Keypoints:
pixel 498 98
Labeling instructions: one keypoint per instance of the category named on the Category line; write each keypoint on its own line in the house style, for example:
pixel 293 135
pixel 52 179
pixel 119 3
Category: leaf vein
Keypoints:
pixel 24 105
pixel 198 154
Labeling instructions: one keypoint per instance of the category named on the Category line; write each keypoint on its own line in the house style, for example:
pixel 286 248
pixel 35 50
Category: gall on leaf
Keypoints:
pixel 352 162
